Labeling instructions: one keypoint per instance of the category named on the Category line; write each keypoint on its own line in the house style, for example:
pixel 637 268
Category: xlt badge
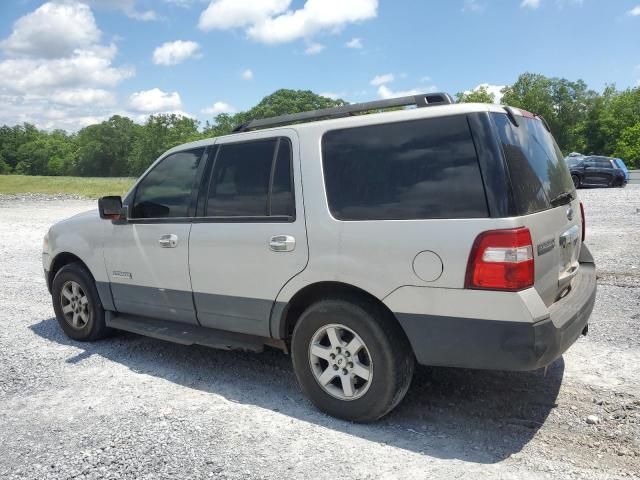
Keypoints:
pixel 116 273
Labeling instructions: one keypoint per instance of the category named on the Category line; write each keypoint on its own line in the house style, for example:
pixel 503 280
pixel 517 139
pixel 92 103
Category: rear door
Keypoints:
pixel 250 238
pixel 545 199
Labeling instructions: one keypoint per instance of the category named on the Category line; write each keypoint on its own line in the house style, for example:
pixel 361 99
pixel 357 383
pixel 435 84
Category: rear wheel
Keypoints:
pixel 576 181
pixel 351 359
pixel 77 304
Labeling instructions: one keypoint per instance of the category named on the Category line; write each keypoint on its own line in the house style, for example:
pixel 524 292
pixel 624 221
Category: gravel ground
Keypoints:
pixel 134 407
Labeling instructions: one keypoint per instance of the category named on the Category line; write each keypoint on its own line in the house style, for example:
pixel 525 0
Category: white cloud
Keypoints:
pixel 44 112
pixel 83 96
pixel 270 21
pixel 530 4
pixel 314 49
pixel 385 92
pixel 219 107
pixel 128 7
pixel 247 74
pixel 332 95
pixel 635 11
pixel 52 30
pixel 84 68
pixel 154 101
pixel 496 90
pixel 172 53
pixel 472 6
pixel 382 79
pixel 55 73
pixel 354 43
pixel 313 17
pixel 226 14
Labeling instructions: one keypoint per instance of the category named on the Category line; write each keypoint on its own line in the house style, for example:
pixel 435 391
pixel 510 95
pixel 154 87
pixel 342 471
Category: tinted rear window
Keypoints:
pixel 407 170
pixel 536 166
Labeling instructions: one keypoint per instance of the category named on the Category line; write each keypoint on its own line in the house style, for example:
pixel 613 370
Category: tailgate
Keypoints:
pixel 557 238
pixel 545 199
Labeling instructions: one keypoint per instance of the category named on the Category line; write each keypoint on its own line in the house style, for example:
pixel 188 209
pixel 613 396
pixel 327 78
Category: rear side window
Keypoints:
pixel 419 169
pixel 536 166
pixel 166 190
pixel 252 179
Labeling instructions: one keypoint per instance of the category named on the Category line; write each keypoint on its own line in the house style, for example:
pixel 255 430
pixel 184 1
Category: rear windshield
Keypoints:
pixel 539 175
pixel 407 170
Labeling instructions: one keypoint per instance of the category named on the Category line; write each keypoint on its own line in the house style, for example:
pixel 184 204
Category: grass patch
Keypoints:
pixel 90 187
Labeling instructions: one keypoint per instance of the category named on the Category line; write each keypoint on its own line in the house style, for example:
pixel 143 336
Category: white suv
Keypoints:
pixel 446 234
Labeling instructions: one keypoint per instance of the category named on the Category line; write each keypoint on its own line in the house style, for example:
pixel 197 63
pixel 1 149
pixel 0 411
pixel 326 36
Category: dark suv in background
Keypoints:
pixel 596 171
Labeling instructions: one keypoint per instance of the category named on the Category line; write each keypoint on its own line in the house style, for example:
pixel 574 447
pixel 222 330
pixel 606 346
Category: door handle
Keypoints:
pixel 282 243
pixel 168 241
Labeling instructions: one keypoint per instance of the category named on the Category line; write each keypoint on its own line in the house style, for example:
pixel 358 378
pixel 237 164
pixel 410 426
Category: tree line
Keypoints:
pixel 581 120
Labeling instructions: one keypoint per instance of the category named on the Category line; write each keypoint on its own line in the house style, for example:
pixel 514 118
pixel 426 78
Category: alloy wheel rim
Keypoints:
pixel 340 362
pixel 75 305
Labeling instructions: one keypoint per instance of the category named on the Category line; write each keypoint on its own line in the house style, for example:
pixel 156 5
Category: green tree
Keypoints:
pixel 628 146
pixel 104 149
pixel 280 102
pixel 12 138
pixel 480 95
pixel 159 134
pixel 564 104
pixel 4 167
pixel 33 157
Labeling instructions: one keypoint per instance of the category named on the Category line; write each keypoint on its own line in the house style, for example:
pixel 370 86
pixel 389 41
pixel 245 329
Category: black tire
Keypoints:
pixel 95 327
pixel 391 355
pixel 576 181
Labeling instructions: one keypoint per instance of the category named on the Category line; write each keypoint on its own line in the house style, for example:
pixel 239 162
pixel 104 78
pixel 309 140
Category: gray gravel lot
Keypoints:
pixel 134 407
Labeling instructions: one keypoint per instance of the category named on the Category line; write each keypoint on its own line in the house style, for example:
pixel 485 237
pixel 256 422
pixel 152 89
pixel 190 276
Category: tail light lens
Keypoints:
pixel 584 223
pixel 501 260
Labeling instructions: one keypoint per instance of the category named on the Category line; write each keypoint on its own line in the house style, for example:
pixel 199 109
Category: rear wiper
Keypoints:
pixel 561 199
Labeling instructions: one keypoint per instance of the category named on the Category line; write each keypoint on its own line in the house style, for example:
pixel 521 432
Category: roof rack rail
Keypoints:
pixel 421 100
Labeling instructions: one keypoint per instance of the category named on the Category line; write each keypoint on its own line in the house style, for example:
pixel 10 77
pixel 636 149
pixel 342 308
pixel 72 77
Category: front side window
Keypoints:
pixel 418 169
pixel 165 192
pixel 252 179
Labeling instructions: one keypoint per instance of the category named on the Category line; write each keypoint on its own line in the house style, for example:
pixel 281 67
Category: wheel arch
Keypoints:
pixel 59 261
pixel 66 258
pixel 285 315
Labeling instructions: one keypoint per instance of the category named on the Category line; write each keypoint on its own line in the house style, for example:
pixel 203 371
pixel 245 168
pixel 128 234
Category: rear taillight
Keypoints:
pixel 584 223
pixel 501 260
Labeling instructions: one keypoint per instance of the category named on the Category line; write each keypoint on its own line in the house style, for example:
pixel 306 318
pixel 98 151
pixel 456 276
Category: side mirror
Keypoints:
pixel 110 208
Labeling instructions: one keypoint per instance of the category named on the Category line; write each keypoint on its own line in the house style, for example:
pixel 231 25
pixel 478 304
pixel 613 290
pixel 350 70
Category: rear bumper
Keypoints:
pixel 500 344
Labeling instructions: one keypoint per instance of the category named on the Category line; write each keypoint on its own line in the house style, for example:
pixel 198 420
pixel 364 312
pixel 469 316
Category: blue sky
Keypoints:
pixel 69 63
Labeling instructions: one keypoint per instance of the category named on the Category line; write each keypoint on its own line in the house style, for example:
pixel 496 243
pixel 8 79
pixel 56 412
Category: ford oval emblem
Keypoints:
pixel 569 213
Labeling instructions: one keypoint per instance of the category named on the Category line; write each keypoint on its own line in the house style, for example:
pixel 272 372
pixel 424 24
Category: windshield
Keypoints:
pixel 538 171
pixel 620 164
pixel 572 162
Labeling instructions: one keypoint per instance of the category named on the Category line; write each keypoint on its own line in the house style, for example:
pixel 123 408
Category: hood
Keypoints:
pixel 88 213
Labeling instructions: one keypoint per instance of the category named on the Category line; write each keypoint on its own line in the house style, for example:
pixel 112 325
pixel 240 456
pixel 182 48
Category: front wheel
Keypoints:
pixel 77 304
pixel 351 359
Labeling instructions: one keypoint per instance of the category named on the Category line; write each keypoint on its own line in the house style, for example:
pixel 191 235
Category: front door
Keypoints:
pixel 147 257
pixel 251 238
